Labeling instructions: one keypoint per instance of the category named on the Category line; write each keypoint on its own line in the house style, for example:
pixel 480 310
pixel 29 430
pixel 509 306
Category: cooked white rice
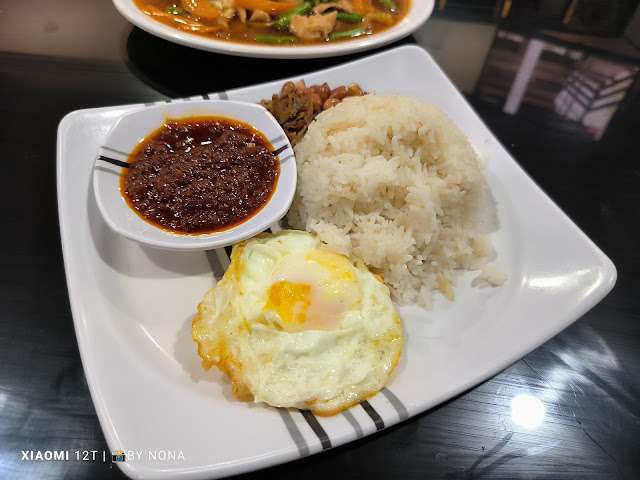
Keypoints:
pixel 393 181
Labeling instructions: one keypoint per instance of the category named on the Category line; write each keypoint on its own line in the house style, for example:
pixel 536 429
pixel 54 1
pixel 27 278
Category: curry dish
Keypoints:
pixel 278 22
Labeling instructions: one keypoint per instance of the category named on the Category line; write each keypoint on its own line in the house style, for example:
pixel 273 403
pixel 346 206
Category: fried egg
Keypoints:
pixel 295 325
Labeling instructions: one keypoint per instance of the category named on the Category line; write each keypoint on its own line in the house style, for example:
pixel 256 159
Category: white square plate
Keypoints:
pixel 132 305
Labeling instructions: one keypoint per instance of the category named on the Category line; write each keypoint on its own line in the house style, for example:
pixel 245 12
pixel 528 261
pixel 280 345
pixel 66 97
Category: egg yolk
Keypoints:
pixel 289 300
pixel 312 291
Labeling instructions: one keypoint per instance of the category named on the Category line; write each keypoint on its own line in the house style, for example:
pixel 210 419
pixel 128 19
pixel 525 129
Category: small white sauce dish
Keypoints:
pixel 135 127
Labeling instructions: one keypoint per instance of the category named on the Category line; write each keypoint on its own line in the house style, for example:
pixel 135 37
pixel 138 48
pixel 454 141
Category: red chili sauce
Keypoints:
pixel 200 175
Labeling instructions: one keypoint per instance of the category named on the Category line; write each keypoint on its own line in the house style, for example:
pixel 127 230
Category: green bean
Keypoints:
pixel 349 17
pixel 174 9
pixel 276 39
pixel 389 4
pixel 355 32
pixel 283 22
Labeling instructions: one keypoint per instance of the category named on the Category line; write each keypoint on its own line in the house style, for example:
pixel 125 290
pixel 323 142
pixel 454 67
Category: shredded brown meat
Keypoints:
pixel 297 105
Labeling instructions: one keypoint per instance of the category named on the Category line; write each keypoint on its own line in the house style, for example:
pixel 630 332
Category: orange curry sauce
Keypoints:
pixel 247 32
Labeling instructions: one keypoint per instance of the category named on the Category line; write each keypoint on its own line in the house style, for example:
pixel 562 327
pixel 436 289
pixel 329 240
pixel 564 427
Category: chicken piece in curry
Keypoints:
pixel 278 22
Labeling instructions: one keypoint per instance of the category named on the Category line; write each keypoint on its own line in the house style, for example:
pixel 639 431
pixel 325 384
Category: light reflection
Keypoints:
pixel 527 411
pixel 595 354
pixel 568 279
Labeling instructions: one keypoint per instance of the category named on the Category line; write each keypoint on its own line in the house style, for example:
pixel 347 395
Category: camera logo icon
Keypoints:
pixel 118 456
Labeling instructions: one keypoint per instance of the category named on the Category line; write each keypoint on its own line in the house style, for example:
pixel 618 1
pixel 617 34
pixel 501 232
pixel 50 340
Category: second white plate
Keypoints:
pixel 419 13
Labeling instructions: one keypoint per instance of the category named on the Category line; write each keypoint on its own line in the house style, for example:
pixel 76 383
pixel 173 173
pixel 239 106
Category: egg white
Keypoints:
pixel 294 325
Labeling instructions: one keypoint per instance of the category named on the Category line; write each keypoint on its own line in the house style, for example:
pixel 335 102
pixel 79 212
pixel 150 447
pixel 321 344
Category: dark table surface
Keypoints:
pixel 588 376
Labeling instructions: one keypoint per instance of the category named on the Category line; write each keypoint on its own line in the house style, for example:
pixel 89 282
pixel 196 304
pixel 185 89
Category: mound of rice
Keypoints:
pixel 393 181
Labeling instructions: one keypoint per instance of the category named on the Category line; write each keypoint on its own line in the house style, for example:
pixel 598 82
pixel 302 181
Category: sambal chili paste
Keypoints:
pixel 200 175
